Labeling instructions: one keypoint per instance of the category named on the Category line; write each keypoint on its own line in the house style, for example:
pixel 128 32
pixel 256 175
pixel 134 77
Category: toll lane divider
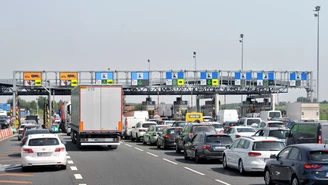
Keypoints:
pixel 4 133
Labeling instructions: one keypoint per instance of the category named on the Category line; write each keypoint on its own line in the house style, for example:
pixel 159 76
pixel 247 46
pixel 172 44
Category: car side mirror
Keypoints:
pixel 133 127
pixel 228 147
pixel 273 156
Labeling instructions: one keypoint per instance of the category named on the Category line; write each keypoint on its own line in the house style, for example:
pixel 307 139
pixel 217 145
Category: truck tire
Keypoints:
pixel 132 139
pixel 73 135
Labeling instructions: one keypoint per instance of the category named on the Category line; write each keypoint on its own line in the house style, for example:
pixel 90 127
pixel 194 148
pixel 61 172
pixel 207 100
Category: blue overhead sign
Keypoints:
pixel 140 78
pixel 297 80
pixel 5 107
pixel 104 77
pixel 209 78
pixel 175 78
pixel 240 77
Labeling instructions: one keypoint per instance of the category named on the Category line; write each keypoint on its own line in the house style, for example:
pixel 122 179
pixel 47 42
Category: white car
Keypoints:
pixel 43 149
pixel 218 127
pixel 140 129
pixel 240 131
pixel 249 154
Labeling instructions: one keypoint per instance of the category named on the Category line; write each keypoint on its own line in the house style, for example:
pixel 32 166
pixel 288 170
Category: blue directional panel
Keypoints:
pixel 104 78
pixel 242 77
pixel 209 78
pixel 268 79
pixel 297 79
pixel 140 78
pixel 175 78
pixel 259 79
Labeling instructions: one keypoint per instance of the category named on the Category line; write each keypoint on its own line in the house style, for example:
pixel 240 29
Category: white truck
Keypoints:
pixel 303 111
pixel 96 115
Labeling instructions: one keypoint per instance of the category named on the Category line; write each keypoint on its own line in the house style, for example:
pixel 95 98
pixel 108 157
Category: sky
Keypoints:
pixel 74 35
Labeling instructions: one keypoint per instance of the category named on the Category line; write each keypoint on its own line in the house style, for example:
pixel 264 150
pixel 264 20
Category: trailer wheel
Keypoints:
pixel 73 137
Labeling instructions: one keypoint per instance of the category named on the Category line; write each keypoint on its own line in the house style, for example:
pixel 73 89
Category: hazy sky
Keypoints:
pixel 122 35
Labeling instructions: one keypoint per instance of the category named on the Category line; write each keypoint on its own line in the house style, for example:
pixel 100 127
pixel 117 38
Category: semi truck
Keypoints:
pixel 303 111
pixel 65 114
pixel 96 115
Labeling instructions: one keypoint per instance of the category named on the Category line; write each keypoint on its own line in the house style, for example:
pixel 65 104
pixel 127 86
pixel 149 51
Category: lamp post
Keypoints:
pixel 241 40
pixel 195 73
pixel 317 9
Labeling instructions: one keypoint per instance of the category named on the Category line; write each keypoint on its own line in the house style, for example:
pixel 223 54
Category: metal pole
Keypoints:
pixel 317 9
pixel 242 67
pixel 37 106
pixel 14 94
pixel 195 74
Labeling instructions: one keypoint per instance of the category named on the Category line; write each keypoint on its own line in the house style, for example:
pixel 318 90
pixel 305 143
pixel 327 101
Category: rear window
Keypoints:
pixel 197 129
pixel 268 146
pixel 274 114
pixel 217 125
pixel 160 128
pixel 232 124
pixel 224 139
pixel 147 125
pixel 276 124
pixel 280 134
pixel 321 156
pixel 172 131
pixel 307 131
pixel 31 131
pixel 251 121
pixel 194 115
pixel 179 124
pixel 324 131
pixel 43 142
pixel 245 130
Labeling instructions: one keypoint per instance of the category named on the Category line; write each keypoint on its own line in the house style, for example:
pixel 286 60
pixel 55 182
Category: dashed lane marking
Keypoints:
pixel 73 168
pixel 170 161
pixel 68 157
pixel 78 176
pixel 82 184
pixel 128 145
pixel 152 154
pixel 138 149
pixel 222 182
pixel 70 162
pixel 194 171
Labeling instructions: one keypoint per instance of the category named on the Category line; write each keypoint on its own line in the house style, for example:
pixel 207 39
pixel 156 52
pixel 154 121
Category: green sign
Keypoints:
pixel 175 82
pixel 139 82
pixel 209 82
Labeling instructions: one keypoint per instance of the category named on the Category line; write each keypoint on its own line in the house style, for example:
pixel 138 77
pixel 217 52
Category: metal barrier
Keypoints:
pixel 4 133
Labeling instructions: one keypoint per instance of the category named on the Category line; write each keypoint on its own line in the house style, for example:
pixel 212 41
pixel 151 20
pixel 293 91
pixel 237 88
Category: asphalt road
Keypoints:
pixel 132 163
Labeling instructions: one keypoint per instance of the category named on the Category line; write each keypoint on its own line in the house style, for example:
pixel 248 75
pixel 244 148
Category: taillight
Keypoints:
pixel 312 166
pixel 60 149
pixel 254 154
pixel 238 136
pixel 27 150
pixel 206 147
pixel 167 136
pixel 154 134
pixel 190 135
pixel 320 138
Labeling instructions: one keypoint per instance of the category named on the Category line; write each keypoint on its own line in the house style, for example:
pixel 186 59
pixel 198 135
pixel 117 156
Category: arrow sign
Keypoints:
pixel 174 82
pixel 139 82
pixel 209 82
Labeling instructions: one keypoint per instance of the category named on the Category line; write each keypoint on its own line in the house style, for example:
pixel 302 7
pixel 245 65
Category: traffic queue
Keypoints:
pixel 287 151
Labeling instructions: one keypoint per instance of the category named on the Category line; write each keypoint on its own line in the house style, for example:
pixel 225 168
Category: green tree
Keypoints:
pixel 138 107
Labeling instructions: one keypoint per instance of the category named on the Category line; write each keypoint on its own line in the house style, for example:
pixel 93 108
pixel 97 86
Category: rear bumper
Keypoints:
pixel 211 155
pixel 99 144
pixel 29 161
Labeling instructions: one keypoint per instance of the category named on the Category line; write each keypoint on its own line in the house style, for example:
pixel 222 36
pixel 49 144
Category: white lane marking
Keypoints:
pixel 222 182
pixel 194 171
pixel 82 184
pixel 68 157
pixel 78 176
pixel 128 145
pixel 73 168
pixel 138 149
pixel 170 161
pixel 152 154
pixel 70 162
pixel 6 165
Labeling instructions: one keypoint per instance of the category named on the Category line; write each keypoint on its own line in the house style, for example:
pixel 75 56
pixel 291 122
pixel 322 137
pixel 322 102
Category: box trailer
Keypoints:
pixel 96 115
pixel 303 111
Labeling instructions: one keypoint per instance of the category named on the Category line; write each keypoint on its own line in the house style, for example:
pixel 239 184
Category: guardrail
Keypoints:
pixel 5 133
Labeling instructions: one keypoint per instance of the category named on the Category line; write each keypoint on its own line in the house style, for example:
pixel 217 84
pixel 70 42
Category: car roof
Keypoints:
pixel 261 138
pixel 241 127
pixel 311 146
pixel 273 121
pixel 274 128
pixel 36 130
pixel 161 125
pixel 43 136
pixel 214 133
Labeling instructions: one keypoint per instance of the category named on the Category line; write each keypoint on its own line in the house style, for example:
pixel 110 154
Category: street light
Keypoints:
pixel 317 9
pixel 195 73
pixel 242 50
pixel 195 60
pixel 148 65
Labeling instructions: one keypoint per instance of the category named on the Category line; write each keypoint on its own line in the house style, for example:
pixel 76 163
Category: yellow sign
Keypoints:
pixel 215 82
pixel 68 76
pixel 180 82
pixel 33 76
pixel 74 83
pixel 110 81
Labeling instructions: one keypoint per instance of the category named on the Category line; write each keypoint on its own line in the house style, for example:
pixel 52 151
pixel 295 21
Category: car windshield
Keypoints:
pixel 251 121
pixel 224 139
pixel 179 124
pixel 159 129
pixel 280 134
pixel 208 128
pixel 32 131
pixel 43 142
pixel 274 114
pixel 232 123
pixel 321 156
pixel 276 124
pixel 217 125
pixel 245 130
pixel 147 125
pixel 174 131
pixel 268 146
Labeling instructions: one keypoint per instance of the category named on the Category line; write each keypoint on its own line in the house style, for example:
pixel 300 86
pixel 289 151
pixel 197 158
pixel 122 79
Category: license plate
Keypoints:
pixel 43 154
pixel 108 139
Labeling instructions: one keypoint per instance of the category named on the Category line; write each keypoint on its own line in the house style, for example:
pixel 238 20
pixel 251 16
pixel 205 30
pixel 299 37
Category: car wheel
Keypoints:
pixel 177 149
pixel 24 169
pixel 295 180
pixel 241 167
pixel 197 158
pixel 137 138
pixel 267 177
pixel 185 155
pixel 63 167
pixel 132 139
pixel 164 146
pixel 224 162
pixel 143 141
pixel 158 146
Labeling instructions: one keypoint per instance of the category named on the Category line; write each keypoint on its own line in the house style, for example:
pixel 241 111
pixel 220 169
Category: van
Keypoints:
pixel 308 132
pixel 249 122
pixel 129 122
pixel 194 117
pixel 227 115
pixel 268 115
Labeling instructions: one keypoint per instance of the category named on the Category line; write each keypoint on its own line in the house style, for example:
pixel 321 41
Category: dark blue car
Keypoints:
pixel 298 164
